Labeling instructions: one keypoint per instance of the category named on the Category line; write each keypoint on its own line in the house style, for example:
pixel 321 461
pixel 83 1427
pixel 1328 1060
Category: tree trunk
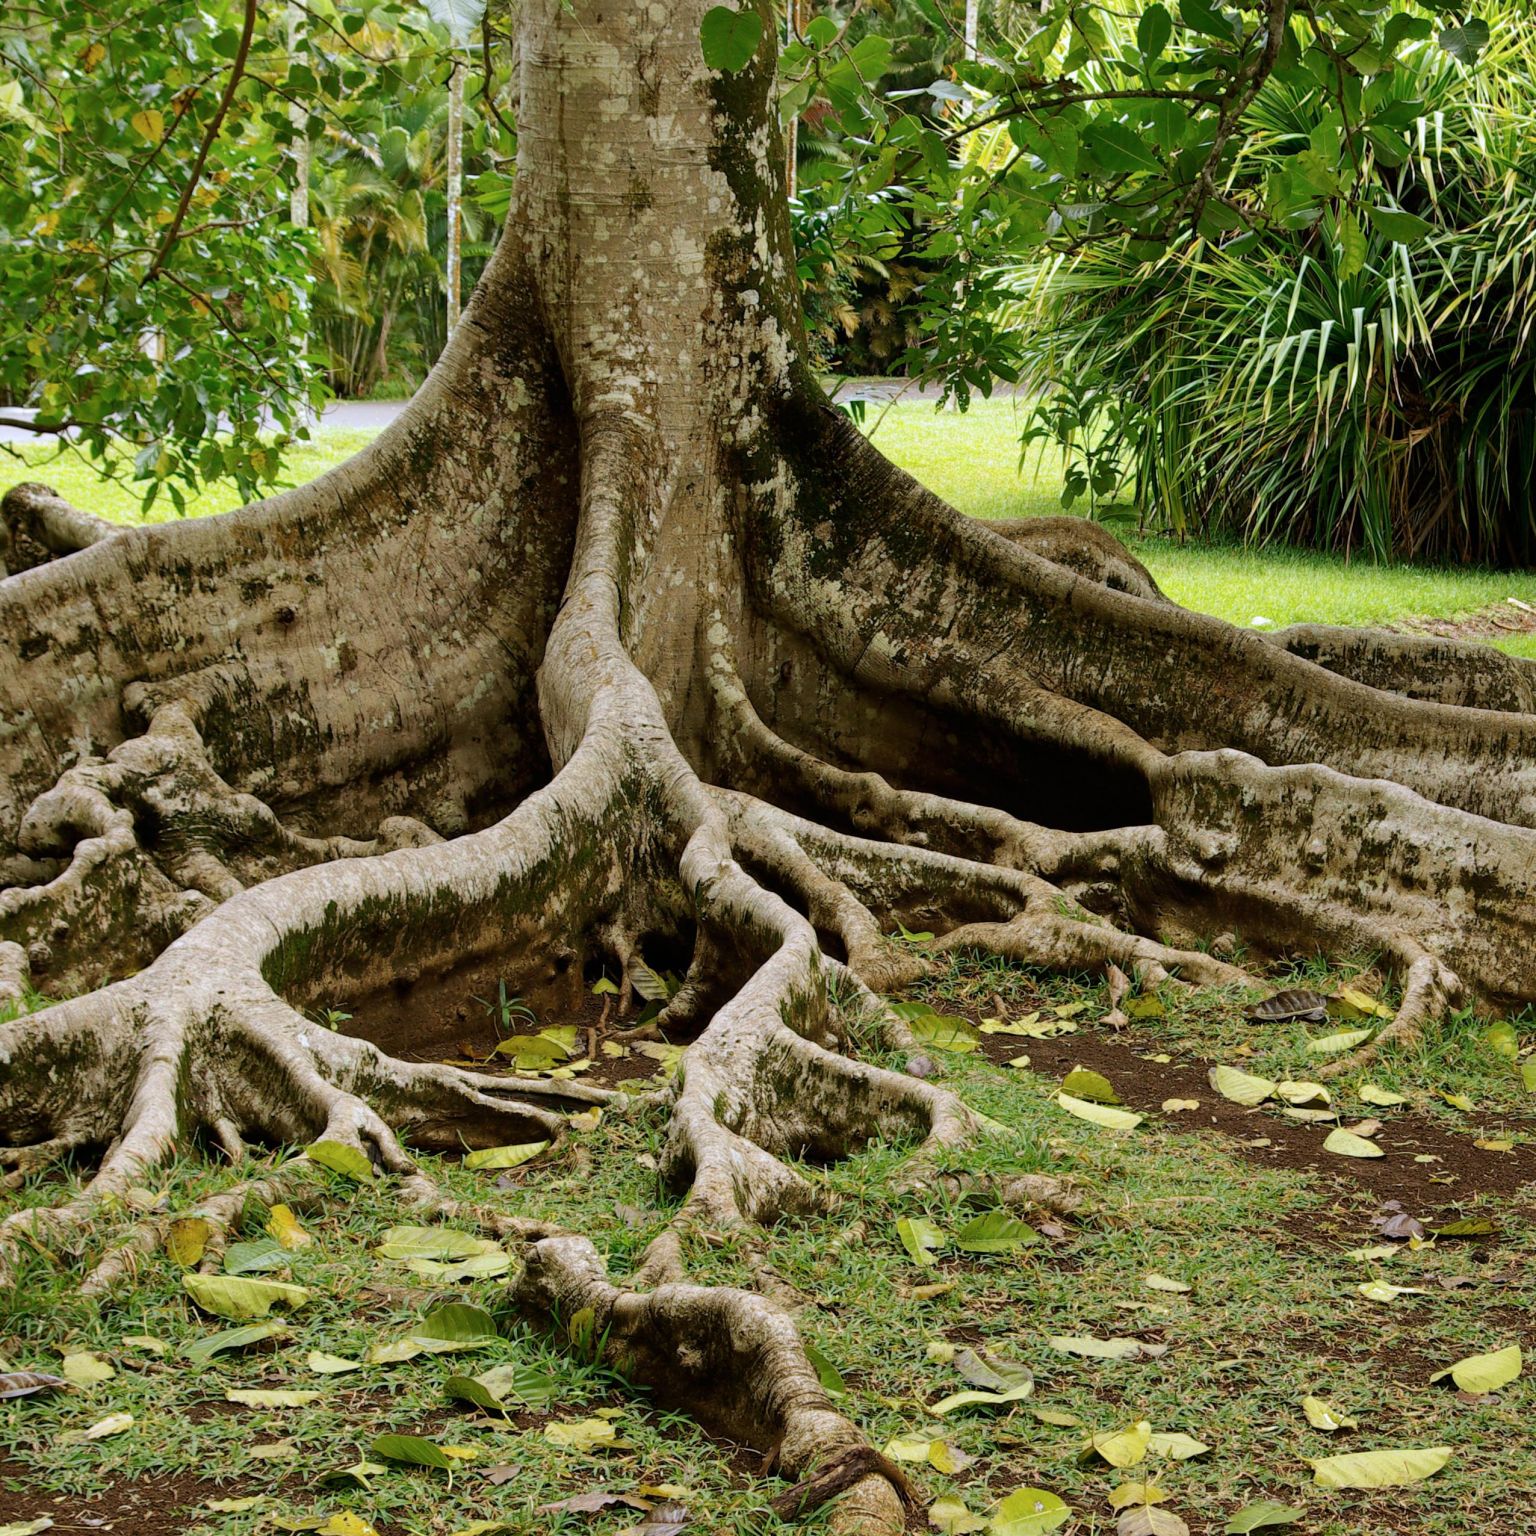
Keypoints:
pixel 623 635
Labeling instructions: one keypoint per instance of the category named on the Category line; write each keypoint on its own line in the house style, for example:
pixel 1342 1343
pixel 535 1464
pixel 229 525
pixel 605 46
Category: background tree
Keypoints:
pixel 623 639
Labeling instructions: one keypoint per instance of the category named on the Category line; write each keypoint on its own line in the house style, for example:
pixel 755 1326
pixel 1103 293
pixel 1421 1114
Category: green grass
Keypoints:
pixel 1274 1313
pixel 973 461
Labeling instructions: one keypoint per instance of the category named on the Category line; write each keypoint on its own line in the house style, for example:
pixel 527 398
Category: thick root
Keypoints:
pixel 38 525
pixel 731 1358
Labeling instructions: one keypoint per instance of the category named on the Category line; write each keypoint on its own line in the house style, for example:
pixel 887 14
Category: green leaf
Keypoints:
pixel 1379 1469
pixel 1528 1074
pixel 1485 1373
pixel 342 1159
pixel 1254 1517
pixel 1153 32
pixel 1091 1348
pixel 1028 1512
pixel 266 1397
pixel 1351 246
pixel 505 1157
pixel 460 17
pixel 995 1232
pixel 1465 42
pixel 504 1385
pixel 456 1323
pixel 225 1296
pixel 729 38
pixel 1176 1445
pixel 1385 1098
pixel 203 1350
pixel 1344 1040
pixel 1099 1114
pixel 1347 1144
pixel 1083 1084
pixel 1122 1447
pixel 323 1364
pixel 1394 224
pixel 921 1237
pixel 1502 1039
pixel 944 1032
pixel 826 1373
pixel 1240 1087
pixel 1323 1415
pixel 1117 147
pixel 441 1243
pixel 255 1257
pixel 412 1450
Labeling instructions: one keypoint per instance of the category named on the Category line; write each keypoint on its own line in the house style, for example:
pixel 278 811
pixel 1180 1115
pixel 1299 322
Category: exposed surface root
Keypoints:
pixel 38 525
pixel 733 1358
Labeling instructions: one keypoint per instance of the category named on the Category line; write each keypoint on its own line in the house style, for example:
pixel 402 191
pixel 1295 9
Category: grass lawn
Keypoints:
pixel 1244 1258
pixel 973 461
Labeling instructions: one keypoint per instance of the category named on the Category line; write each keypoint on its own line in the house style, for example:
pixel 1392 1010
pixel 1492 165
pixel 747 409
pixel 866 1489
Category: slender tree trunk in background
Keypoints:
pixel 623 637
pixel 972 26
pixel 298 116
pixel 455 191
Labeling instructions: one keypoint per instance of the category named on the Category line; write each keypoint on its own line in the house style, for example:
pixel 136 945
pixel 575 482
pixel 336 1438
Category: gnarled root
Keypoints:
pixel 733 1358
pixel 38 525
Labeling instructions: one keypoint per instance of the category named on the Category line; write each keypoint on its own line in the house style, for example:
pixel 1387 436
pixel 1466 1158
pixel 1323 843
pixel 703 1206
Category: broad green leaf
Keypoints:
pixel 1323 1415
pixel 1465 42
pixel 1255 1517
pixel 1153 31
pixel 265 1397
pixel 504 1387
pixel 1502 1039
pixel 456 1323
pixel 1154 1282
pixel 85 1368
pixel 481 1266
pixel 993 1379
pixel 1122 1447
pixel 260 1255
pixel 944 1032
pixel 412 1450
pixel 1458 1101
pixel 342 1159
pixel 1394 224
pixel 323 1364
pixel 1240 1087
pixel 44 1523
pixel 972 1397
pixel 1379 1469
pixel 1150 1520
pixel 583 1435
pixel 950 1517
pixel 1383 1097
pixel 1128 1494
pixel 1028 1512
pixel 440 1243
pixel 729 37
pixel 459 17
pixel 1302 1093
pixel 1106 1349
pixel 1528 1074
pixel 826 1373
pixel 1344 1040
pixel 1099 1114
pixel 1083 1084
pixel 505 1157
pixel 1485 1373
pixel 226 1296
pixel 201 1352
pixel 995 1232
pixel 148 124
pixel 1347 1144
pixel 921 1237
pixel 1176 1445
pixel 105 1429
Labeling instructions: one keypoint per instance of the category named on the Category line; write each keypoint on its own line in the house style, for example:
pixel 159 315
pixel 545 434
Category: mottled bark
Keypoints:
pixel 621 633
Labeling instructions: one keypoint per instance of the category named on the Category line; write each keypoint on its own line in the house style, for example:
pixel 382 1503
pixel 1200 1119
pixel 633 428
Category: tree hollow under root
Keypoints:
pixel 622 641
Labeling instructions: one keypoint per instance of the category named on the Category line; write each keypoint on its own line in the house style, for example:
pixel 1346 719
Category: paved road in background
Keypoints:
pixel 375 415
